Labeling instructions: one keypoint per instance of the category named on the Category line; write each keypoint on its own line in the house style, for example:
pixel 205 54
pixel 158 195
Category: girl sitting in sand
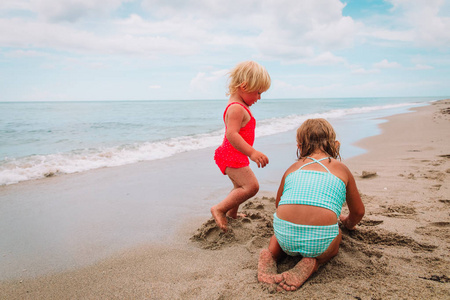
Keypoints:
pixel 309 200
pixel 248 80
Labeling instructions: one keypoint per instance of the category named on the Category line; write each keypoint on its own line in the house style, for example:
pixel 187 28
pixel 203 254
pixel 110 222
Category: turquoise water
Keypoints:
pixel 40 139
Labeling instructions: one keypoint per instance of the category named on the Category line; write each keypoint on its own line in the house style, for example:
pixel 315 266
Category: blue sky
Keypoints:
pixel 79 50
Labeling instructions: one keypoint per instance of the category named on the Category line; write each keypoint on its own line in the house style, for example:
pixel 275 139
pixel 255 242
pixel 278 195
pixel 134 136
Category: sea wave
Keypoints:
pixel 279 125
pixel 15 170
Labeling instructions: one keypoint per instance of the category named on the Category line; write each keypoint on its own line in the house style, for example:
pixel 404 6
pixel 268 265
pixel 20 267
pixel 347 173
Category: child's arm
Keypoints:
pixel 291 169
pixel 354 203
pixel 280 191
pixel 235 117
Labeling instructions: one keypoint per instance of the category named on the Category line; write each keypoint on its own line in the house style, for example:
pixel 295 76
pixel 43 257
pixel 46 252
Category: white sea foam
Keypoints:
pixel 278 125
pixel 39 166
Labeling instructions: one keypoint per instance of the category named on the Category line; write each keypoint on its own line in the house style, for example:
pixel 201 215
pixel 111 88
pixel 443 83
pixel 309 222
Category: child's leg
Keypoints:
pixel 275 249
pixel 332 250
pixel 267 264
pixel 295 277
pixel 232 213
pixel 245 186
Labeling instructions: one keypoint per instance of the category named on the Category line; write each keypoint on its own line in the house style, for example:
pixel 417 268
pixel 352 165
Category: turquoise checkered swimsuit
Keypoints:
pixel 314 188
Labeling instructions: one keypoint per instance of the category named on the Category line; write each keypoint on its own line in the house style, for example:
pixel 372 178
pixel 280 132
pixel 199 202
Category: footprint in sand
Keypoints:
pixel 435 175
pixel 445 201
pixel 366 199
pixel 385 238
pixel 211 237
pixel 437 229
pixel 366 222
pixel 441 279
pixel 253 230
pixel 435 187
pixel 399 211
pixel 409 176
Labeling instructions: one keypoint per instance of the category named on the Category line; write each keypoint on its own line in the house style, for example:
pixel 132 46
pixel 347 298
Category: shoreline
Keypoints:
pixel 23 164
pixel 70 221
pixel 400 249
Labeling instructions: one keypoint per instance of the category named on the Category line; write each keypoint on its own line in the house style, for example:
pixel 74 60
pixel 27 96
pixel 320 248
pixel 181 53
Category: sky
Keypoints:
pixel 96 50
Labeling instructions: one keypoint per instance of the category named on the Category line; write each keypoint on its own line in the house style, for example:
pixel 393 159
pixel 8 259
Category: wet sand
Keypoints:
pixel 400 250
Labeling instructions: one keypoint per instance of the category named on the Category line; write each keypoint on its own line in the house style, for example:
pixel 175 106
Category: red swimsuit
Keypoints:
pixel 226 155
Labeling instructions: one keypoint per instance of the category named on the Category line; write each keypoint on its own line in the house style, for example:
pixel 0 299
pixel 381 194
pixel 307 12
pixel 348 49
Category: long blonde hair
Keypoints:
pixel 317 134
pixel 255 77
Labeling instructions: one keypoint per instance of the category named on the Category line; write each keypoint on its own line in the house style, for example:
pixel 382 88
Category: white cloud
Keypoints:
pixel 177 29
pixel 385 64
pixel 12 5
pixel 421 67
pixel 425 23
pixel 390 35
pixel 201 36
pixel 434 60
pixel 283 88
pixel 284 30
pixel 362 71
pixel 63 10
pixel 206 82
pixel 98 65
pixel 326 58
pixel 24 53
pixel 295 30
pixel 25 34
pixel 73 10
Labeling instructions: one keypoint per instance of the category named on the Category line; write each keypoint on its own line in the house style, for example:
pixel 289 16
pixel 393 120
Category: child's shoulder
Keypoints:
pixel 339 169
pixel 294 167
pixel 237 108
pixel 338 164
pixel 234 103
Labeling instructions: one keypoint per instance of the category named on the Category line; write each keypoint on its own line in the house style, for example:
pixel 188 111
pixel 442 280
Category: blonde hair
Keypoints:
pixel 252 74
pixel 317 134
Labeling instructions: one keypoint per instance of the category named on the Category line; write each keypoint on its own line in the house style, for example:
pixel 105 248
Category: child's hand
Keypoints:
pixel 344 220
pixel 259 158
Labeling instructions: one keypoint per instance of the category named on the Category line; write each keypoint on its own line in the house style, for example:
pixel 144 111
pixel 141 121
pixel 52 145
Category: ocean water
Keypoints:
pixel 41 139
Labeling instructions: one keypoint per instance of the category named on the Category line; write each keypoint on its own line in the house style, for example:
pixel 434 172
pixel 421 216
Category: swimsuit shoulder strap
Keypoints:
pixel 316 161
pixel 248 110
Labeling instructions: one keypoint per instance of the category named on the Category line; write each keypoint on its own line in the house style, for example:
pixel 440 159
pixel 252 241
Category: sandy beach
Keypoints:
pixel 400 250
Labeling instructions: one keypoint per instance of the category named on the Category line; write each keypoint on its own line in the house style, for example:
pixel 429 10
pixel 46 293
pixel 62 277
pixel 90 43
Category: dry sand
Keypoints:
pixel 400 250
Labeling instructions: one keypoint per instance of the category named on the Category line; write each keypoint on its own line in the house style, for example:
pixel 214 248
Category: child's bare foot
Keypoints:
pixel 267 268
pixel 296 276
pixel 220 218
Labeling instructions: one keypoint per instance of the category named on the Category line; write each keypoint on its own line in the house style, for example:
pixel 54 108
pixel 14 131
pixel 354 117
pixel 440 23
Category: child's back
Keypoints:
pixel 309 203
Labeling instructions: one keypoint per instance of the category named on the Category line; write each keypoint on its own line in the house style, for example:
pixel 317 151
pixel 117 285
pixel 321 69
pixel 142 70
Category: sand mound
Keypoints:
pixel 253 230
